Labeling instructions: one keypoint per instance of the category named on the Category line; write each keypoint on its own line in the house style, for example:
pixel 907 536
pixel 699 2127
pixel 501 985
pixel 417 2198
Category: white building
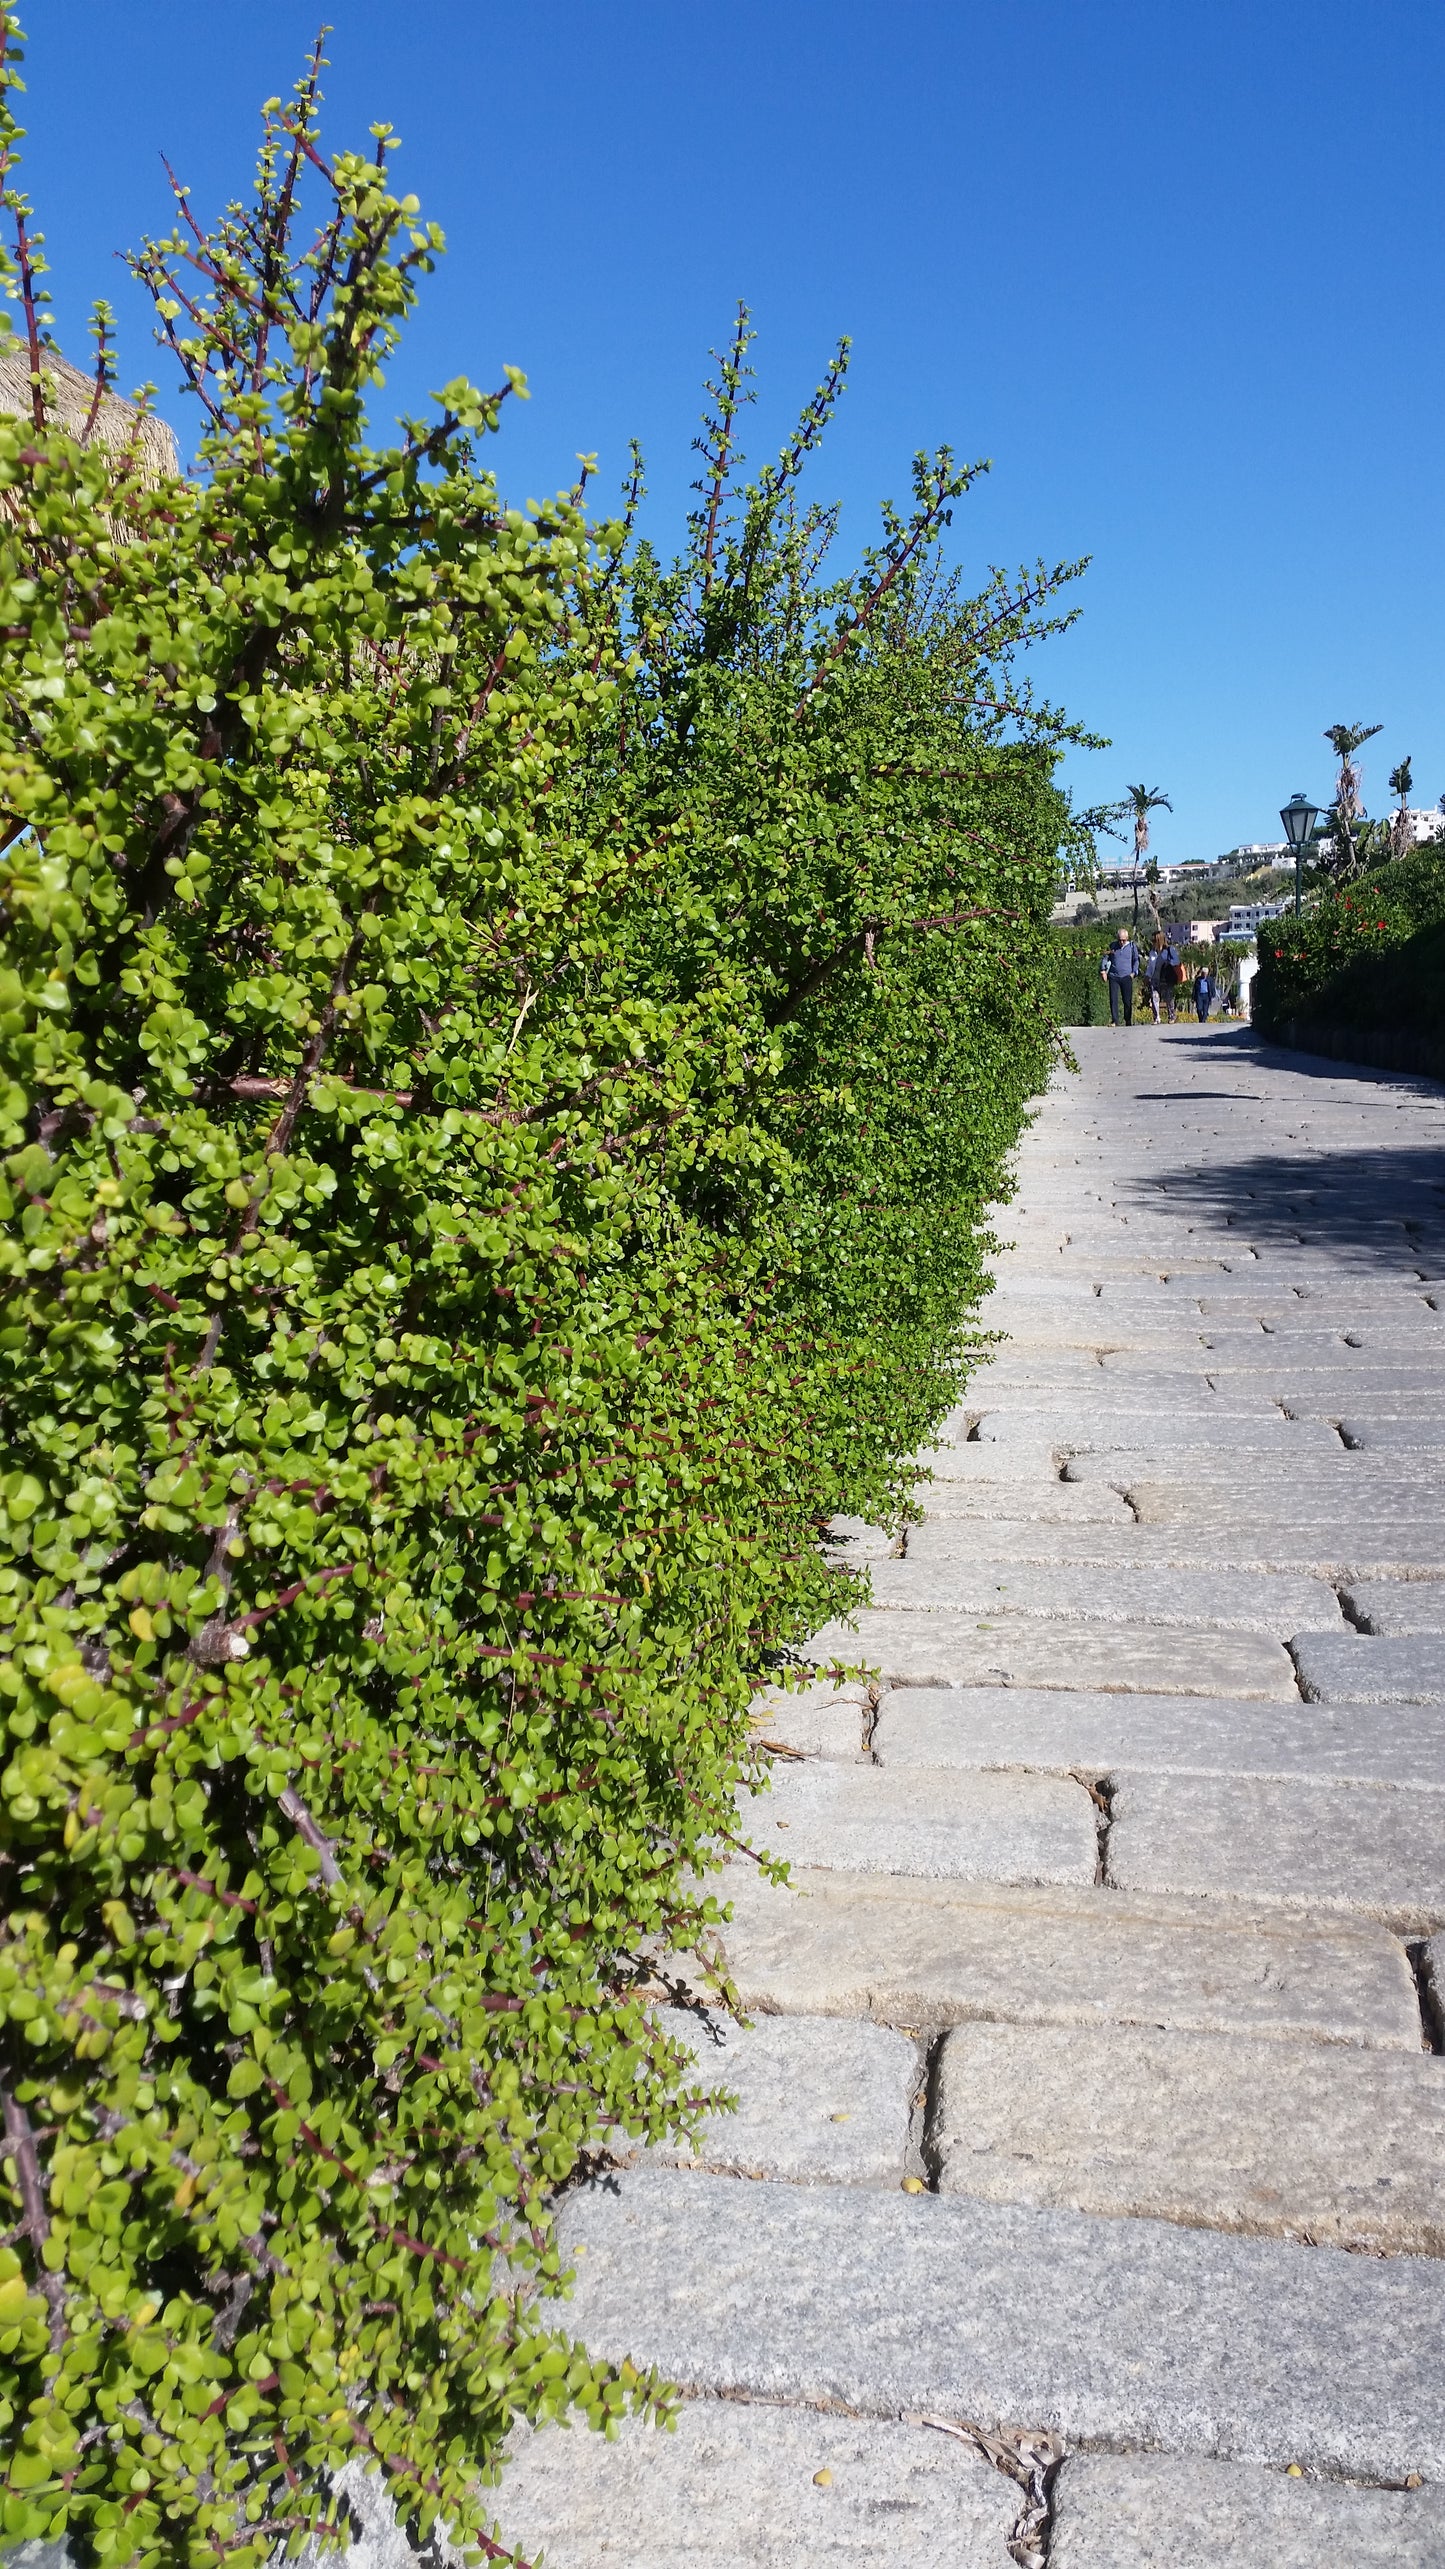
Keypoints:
pixel 1245 916
pixel 1425 825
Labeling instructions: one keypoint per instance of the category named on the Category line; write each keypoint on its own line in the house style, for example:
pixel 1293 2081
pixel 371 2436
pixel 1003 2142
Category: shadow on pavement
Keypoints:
pixel 1365 1204
pixel 1245 1045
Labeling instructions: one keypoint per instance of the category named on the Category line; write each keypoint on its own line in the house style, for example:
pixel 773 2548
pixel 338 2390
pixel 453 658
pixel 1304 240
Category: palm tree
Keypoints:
pixel 1401 786
pixel 1142 800
pixel 1344 740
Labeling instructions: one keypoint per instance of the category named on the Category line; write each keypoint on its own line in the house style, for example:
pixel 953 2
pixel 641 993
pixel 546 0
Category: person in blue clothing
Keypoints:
pixel 1118 968
pixel 1203 992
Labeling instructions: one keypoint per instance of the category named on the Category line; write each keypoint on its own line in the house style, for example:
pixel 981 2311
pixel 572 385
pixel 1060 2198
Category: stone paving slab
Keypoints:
pixel 1209 1478
pixel 1038 1327
pixel 1371 1540
pixel 921 1953
pixel 1337 1846
pixel 1014 1367
pixel 1042 1501
pixel 1392 1607
pixel 1333 1478
pixel 1149 2511
pixel 1353 1668
pixel 1262 2138
pixel 967 1827
pixel 1247 1420
pixel 741 2485
pixel 1400 1388
pixel 1211 1278
pixel 1107 1737
pixel 820 1720
pixel 1344 1349
pixel 1376 1433
pixel 817 2101
pixel 945 1649
pixel 1342 1548
pixel 933 1580
pixel 995 1464
pixel 1103 2331
pixel 852 1539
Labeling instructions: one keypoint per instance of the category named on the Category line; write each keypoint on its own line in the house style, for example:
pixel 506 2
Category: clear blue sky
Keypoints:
pixel 1175 265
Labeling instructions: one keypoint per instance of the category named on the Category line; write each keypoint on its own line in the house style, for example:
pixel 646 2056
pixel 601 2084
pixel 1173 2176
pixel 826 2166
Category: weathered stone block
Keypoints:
pixel 1104 2331
pixel 817 2101
pixel 773 2488
pixel 914 1952
pixel 962 1826
pixel 1111 1736
pixel 1392 1607
pixel 1272 2139
pixel 1044 1501
pixel 1349 1668
pixel 1158 2511
pixel 817 1720
pixel 1204 1600
pixel 852 1539
pixel 947 1649
pixel 1321 1847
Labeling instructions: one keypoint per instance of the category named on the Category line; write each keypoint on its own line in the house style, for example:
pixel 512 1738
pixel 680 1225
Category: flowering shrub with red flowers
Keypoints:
pixel 1300 957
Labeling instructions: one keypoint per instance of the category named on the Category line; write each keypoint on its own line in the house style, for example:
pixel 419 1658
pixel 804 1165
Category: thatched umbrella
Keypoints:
pixel 69 400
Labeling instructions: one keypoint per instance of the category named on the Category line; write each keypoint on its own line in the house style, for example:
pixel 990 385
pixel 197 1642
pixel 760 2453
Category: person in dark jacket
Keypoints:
pixel 1171 973
pixel 1203 992
pixel 1119 967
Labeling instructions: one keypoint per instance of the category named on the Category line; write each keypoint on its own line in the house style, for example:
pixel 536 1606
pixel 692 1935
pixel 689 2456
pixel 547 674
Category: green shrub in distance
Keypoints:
pixel 1367 955
pixel 505 1048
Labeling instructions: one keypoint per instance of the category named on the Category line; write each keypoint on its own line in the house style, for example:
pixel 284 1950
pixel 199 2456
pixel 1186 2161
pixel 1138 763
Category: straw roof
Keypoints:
pixel 69 394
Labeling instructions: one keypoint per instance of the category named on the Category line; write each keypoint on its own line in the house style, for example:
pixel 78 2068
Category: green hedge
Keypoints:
pixel 1081 995
pixel 505 1050
pixel 1369 956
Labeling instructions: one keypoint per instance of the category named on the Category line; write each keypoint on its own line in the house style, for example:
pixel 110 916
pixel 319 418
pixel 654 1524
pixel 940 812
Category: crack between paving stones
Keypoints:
pixel 922 2157
pixel 1100 1790
pixel 1031 2458
pixel 872 1705
pixel 1292 1646
pixel 1428 1995
pixel 1349 1610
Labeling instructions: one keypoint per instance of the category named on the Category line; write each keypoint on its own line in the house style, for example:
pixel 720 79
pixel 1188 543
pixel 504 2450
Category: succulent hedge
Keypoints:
pixel 505 1048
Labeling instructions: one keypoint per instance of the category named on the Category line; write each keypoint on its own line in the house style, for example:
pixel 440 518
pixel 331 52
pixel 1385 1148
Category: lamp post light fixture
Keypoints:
pixel 1299 817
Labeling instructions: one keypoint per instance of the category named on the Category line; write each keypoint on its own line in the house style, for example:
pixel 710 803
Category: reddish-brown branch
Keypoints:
pixel 873 601
pixel 32 322
pixel 291 1804
pixel 34 2224
pixel 283 1128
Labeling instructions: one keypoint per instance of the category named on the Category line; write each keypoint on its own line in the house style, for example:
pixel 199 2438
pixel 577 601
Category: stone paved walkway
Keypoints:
pixel 1086 2200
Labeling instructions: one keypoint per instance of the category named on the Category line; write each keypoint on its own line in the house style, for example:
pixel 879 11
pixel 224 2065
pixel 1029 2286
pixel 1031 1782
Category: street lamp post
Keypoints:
pixel 1299 817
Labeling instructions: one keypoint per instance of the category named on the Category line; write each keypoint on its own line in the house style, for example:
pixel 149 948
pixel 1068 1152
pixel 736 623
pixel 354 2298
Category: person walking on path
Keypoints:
pixel 1203 992
pixel 1171 973
pixel 1152 967
pixel 1119 967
